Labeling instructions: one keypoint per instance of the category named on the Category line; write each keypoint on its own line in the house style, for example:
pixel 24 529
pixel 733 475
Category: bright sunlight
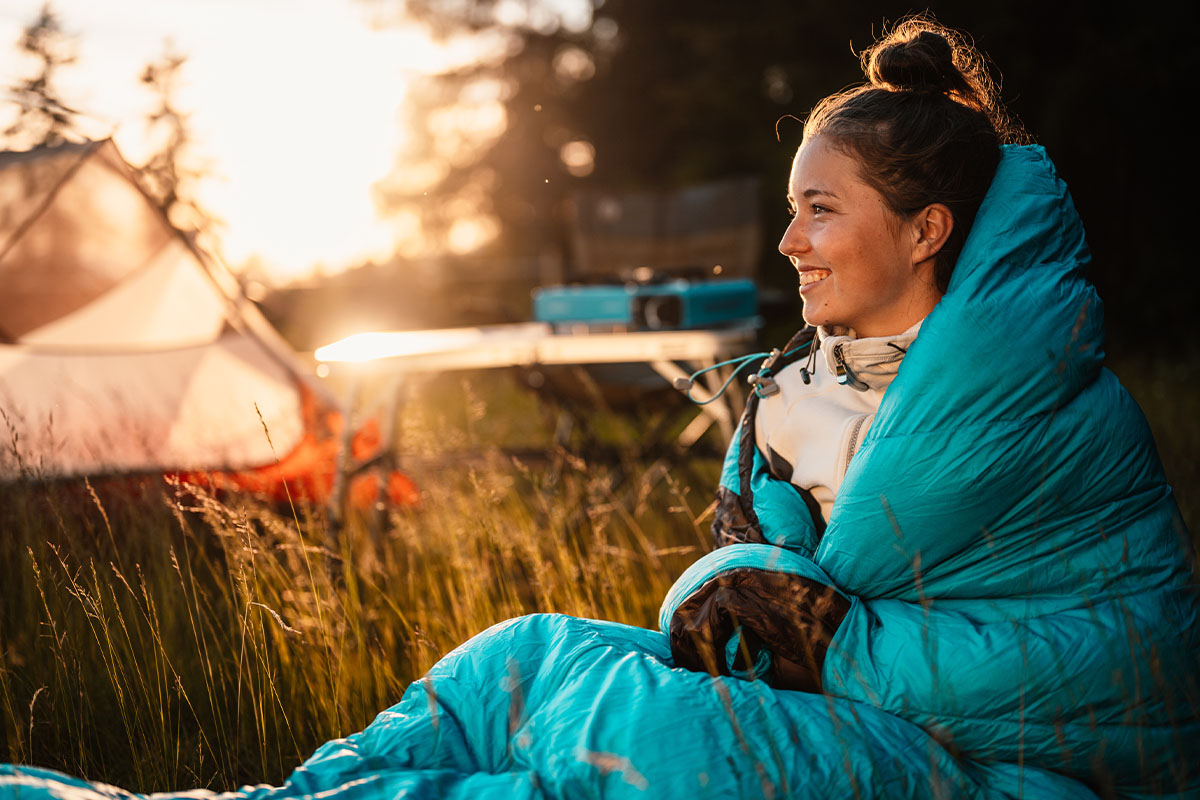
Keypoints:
pixel 294 109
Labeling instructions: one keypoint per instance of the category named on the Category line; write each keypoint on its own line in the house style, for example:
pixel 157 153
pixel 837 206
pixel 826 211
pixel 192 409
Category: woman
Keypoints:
pixel 882 193
pixel 978 592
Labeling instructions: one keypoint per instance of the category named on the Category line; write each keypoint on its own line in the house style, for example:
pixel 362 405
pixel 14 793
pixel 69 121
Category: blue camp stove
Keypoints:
pixel 669 305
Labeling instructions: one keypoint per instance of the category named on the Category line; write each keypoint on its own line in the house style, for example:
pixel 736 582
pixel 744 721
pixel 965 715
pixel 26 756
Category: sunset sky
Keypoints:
pixel 294 105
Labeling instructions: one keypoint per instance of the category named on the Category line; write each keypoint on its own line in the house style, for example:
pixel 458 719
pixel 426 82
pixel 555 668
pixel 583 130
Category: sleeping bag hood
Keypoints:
pixel 1015 562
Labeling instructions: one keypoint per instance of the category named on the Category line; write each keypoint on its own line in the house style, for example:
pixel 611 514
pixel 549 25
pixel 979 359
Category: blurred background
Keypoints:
pixel 367 164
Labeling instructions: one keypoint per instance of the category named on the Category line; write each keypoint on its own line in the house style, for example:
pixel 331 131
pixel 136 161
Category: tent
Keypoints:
pixel 125 349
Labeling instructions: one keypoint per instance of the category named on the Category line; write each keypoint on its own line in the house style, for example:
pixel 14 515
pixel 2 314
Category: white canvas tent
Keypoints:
pixel 123 349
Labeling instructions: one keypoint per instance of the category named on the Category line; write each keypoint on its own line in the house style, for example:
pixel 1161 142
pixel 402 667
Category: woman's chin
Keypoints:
pixel 817 317
pixel 815 321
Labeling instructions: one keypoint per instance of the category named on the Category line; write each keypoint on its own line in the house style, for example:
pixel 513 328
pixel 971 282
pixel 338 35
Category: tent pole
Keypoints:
pixel 337 497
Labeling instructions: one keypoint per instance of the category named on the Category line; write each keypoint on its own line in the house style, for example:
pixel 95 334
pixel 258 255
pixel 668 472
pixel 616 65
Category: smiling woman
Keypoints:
pixel 862 266
pixel 889 179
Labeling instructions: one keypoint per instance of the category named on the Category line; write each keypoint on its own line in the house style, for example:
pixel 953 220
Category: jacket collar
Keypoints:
pixel 869 363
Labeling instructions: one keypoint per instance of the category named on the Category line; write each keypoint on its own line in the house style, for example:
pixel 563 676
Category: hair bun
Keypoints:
pixel 919 55
pixel 924 62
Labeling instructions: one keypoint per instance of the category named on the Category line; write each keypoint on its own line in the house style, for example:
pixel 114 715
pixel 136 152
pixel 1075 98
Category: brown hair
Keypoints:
pixel 926 128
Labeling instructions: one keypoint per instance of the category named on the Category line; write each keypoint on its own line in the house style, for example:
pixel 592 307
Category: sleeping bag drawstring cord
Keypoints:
pixel 764 385
pixel 806 370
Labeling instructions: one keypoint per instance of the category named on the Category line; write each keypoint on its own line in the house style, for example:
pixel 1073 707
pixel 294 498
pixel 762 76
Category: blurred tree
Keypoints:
pixel 43 117
pixel 629 94
pixel 169 174
pixel 484 166
pixel 654 94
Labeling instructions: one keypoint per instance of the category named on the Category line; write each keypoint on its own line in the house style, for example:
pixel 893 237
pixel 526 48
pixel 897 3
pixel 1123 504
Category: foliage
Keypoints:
pixel 668 96
pixel 486 136
pixel 168 174
pixel 44 118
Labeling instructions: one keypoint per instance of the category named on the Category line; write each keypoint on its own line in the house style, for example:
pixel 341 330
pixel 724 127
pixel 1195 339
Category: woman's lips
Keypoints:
pixel 811 277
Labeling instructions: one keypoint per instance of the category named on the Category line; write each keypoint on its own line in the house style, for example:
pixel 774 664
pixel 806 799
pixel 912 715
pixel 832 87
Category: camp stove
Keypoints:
pixel 676 304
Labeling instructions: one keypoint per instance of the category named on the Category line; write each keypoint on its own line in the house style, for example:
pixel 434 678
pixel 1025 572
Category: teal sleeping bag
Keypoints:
pixel 1020 616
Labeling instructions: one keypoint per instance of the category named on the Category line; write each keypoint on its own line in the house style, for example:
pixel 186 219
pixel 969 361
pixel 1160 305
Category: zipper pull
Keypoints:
pixel 844 376
pixel 764 385
pixel 839 362
pixel 762 382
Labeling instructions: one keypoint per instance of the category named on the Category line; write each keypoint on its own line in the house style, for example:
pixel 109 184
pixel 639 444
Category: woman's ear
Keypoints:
pixel 931 228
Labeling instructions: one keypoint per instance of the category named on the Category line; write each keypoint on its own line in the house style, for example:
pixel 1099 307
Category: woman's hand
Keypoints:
pixel 759 624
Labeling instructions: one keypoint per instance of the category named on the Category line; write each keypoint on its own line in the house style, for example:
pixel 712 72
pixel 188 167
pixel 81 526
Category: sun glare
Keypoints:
pixel 294 111
pixel 467 235
pixel 371 346
pixel 579 157
pixel 463 128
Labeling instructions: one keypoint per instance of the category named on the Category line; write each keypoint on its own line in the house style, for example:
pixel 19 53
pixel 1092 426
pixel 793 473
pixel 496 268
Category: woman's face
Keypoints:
pixel 857 259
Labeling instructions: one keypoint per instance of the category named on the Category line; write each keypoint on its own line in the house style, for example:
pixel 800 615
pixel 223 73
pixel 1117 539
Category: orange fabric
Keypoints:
pixel 363 491
pixel 367 441
pixel 402 490
pixel 307 473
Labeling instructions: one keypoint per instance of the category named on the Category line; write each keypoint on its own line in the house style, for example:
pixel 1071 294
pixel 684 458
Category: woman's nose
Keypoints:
pixel 794 240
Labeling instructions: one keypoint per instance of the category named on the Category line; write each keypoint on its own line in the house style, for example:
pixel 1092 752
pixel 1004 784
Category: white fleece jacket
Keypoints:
pixel 809 431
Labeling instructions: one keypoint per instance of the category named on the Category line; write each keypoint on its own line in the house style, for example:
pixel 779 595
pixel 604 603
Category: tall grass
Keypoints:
pixel 160 638
pixel 1168 390
pixel 157 637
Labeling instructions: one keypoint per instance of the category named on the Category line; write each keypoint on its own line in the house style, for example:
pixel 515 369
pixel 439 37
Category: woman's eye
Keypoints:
pixel 817 208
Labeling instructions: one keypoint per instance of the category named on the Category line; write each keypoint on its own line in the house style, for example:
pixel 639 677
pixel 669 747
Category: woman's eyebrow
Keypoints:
pixel 811 193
